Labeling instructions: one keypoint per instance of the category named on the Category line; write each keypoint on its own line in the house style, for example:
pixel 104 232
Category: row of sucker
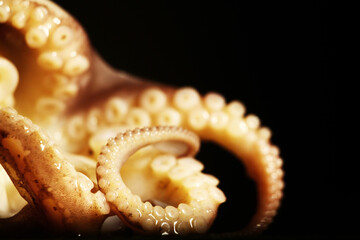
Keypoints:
pixel 209 116
pixel 60 52
pixel 192 197
pixel 156 107
pixel 62 60
pixel 195 214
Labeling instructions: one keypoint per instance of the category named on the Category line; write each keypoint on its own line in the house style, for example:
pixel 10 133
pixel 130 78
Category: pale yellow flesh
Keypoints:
pixel 180 207
pixel 49 49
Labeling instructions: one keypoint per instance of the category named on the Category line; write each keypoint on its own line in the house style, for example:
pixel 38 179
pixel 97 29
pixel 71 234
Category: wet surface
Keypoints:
pixel 271 56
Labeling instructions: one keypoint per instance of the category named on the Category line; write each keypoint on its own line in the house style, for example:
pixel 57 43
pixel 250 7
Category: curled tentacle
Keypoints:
pixel 226 124
pixel 80 102
pixel 196 200
pixel 208 116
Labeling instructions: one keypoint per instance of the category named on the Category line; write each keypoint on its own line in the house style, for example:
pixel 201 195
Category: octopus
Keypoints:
pixel 86 148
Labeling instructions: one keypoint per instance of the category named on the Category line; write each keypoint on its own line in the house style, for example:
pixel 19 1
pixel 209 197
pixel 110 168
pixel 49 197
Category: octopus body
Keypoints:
pixel 90 143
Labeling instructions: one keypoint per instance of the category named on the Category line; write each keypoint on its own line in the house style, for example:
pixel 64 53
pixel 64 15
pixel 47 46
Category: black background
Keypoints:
pixel 274 57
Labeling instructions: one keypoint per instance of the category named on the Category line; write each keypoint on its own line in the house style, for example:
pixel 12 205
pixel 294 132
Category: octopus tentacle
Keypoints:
pixel 55 55
pixel 212 119
pixel 24 149
pixel 194 213
pixel 40 45
pixel 45 179
pixel 226 124
pixel 80 102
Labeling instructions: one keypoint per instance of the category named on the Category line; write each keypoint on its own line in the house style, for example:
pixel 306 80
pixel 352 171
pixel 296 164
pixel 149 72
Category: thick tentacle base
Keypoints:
pixel 45 179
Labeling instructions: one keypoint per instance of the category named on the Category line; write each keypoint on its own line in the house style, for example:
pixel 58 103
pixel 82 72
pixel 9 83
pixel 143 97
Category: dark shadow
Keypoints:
pixel 240 191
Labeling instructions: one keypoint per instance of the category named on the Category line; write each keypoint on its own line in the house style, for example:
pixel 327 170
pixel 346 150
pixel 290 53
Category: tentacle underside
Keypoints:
pixel 50 50
pixel 196 201
pixel 212 119
pixel 80 102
